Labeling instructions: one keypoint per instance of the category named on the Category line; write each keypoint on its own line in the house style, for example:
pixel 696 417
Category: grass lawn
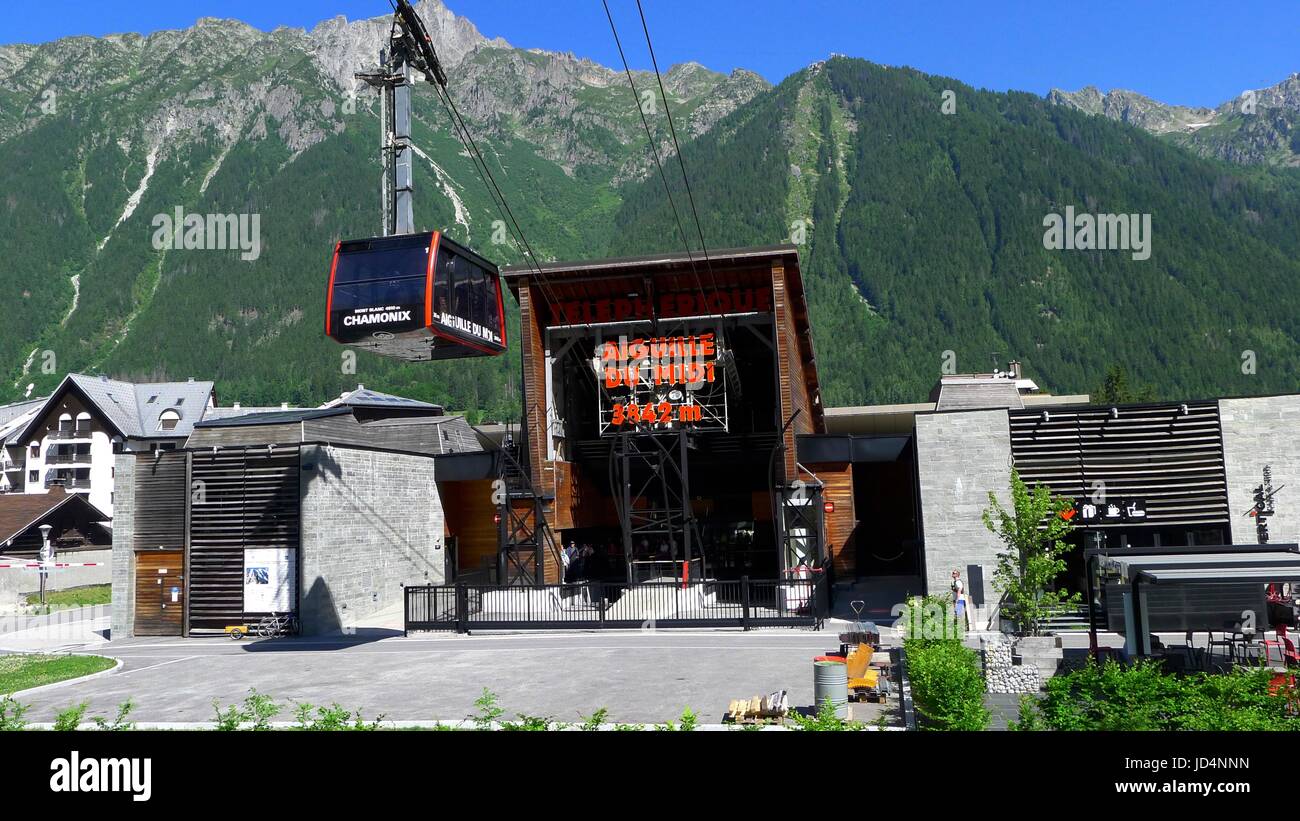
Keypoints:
pixel 20 671
pixel 74 597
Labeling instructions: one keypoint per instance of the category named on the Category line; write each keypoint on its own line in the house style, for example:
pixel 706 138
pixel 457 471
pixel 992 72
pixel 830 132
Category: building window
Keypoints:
pixel 33 476
pixel 36 450
pixel 168 420
pixel 83 423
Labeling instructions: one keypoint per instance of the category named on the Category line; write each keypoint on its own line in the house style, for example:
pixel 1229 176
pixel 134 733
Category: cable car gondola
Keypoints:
pixel 415 297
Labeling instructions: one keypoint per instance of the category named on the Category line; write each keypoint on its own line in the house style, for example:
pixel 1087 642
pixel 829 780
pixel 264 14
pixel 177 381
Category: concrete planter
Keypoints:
pixel 1041 652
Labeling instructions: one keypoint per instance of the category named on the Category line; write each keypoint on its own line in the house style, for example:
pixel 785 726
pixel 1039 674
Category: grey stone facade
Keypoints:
pixel 961 457
pixel 123 618
pixel 371 522
pixel 1259 431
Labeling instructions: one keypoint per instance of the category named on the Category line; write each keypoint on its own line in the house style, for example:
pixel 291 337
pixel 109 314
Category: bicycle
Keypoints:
pixel 277 625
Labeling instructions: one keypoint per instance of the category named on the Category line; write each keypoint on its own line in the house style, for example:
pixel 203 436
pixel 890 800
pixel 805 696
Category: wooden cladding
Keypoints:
pixel 242 498
pixel 1170 456
pixel 161 494
pixel 837 489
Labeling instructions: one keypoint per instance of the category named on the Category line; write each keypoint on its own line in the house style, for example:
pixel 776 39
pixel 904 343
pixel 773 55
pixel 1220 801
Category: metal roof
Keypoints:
pixel 235 411
pixel 363 397
pixel 13 418
pixel 277 417
pixel 1264 574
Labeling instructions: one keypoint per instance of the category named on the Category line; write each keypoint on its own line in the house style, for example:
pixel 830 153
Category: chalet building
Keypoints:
pixel 75 524
pixel 70 439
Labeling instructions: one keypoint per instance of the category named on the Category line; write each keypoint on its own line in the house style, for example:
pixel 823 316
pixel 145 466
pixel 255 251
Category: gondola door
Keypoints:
pixel 159 592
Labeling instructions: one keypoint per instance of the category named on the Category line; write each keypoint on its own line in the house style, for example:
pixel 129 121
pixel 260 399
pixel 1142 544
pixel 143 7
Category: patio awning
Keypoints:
pixel 1264 564
pixel 1248 564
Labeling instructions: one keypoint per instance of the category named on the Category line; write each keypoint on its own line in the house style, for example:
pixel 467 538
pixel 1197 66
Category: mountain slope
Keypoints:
pixel 928 237
pixel 922 231
pixel 1260 127
pixel 104 135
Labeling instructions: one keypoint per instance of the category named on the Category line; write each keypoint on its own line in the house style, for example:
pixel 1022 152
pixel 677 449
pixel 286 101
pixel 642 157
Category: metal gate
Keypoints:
pixel 742 603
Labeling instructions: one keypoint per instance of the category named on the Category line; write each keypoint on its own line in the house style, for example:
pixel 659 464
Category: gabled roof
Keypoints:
pixel 133 409
pixel 363 397
pixel 13 418
pixel 21 511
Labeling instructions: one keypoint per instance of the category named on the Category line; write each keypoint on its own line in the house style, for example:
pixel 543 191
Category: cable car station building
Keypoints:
pixel 663 396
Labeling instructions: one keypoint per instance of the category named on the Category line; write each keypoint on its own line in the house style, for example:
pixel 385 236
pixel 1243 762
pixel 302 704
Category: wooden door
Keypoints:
pixel 159 593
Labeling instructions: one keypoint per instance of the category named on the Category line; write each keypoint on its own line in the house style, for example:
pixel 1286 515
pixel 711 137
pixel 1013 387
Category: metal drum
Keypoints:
pixel 831 680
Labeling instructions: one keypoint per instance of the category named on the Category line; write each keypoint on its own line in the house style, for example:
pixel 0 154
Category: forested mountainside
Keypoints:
pixel 928 236
pixel 918 203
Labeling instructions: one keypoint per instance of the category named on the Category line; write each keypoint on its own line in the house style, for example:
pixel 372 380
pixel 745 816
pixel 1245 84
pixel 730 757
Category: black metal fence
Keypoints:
pixel 743 603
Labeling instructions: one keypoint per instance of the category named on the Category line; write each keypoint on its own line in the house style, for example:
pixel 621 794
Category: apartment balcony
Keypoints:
pixel 67 484
pixel 68 459
pixel 70 435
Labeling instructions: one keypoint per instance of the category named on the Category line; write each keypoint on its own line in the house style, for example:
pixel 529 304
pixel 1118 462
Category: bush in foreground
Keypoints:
pixel 947 685
pixel 1141 696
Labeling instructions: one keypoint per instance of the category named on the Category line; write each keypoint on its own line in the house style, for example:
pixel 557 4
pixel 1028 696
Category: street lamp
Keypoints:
pixel 46 556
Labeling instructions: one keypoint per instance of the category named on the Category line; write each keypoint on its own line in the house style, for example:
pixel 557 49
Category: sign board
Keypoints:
pixel 661 384
pixel 665 306
pixel 1114 511
pixel 270 580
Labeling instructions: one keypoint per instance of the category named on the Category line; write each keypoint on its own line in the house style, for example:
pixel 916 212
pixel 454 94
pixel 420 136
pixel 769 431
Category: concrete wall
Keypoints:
pixel 961 457
pixel 1262 431
pixel 371 522
pixel 123 575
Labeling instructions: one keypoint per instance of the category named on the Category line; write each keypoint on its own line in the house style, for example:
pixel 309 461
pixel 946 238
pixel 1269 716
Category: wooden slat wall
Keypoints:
pixel 470 517
pixel 161 493
pixel 248 498
pixel 837 479
pixel 534 355
pixel 1173 461
pixel 788 370
pixel 289 433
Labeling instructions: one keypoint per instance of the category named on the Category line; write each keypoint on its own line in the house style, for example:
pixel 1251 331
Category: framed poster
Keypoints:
pixel 270 580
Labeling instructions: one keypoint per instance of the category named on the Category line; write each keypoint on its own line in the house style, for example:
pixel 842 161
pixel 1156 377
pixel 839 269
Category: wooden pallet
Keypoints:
pixel 769 709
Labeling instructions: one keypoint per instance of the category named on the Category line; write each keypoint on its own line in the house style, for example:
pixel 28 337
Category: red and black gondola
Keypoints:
pixel 415 297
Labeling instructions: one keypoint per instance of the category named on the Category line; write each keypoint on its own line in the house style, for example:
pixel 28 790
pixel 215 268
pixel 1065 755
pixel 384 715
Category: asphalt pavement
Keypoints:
pixel 639 677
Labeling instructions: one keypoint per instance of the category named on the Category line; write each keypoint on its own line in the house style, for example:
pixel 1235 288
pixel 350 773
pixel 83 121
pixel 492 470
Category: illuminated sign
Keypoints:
pixel 661 384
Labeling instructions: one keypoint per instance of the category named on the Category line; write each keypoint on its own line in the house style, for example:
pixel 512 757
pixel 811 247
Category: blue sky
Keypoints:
pixel 1193 53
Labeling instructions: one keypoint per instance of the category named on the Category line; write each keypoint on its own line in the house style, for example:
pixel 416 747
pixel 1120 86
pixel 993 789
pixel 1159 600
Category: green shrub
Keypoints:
pixel 947 685
pixel 119 722
pixel 489 710
pixel 825 720
pixel 592 722
pixel 332 718
pixel 1141 696
pixel 11 714
pixel 70 719
pixel 688 723
pixel 257 712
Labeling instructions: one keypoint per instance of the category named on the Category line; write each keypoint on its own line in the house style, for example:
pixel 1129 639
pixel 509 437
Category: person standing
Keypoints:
pixel 961 606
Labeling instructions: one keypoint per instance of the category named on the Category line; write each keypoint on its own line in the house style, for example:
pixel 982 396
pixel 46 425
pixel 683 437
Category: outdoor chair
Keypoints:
pixel 1225 643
